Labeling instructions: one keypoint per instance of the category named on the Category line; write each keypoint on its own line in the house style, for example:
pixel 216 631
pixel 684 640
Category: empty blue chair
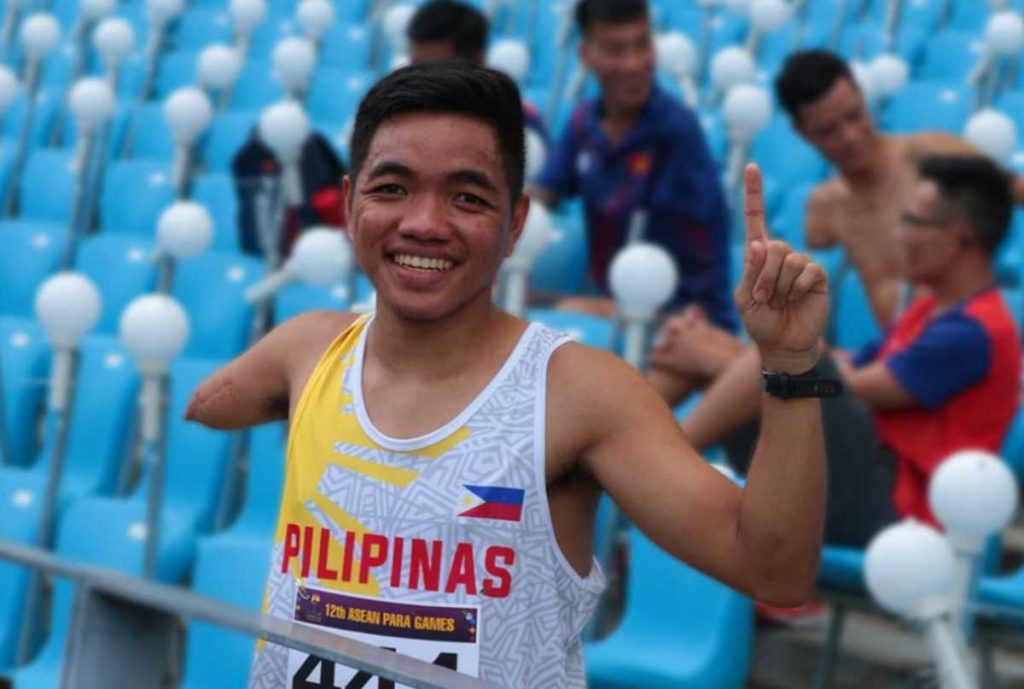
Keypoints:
pixel 121 268
pixel 865 41
pixel 298 298
pixel 47 103
pixel 335 94
pixel 29 252
pixel 592 331
pixel 972 16
pixel 48 186
pixel 785 157
pixel 788 224
pixel 1011 104
pixel 150 135
pixel 951 55
pixel 562 266
pixel 231 570
pixel 177 69
pixel 134 194
pixel 229 567
pixel 855 324
pixel 714 135
pixel 256 87
pixel 681 629
pixel 217 193
pixel 226 135
pixel 346 46
pixel 211 287
pixel 928 105
pixel 200 26
pixel 26 365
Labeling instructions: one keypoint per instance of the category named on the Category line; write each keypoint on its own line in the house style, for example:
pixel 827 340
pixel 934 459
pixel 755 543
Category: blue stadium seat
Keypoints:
pixel 714 136
pixel 198 27
pixel 25 358
pixel 150 135
pixel 346 46
pixel 231 570
pixel 950 55
pixel 256 87
pixel 592 331
pixel 29 252
pixel 211 287
pixel 971 16
pixel 134 194
pixel 335 94
pixel 177 69
pixel 48 186
pixel 865 41
pixel 788 223
pixel 928 105
pixel 226 136
pixel 1011 104
pixel 785 157
pixel 299 297
pixel 855 323
pixel 680 629
pixel 226 563
pixel 47 103
pixel 562 267
pixel 121 268
pixel 216 192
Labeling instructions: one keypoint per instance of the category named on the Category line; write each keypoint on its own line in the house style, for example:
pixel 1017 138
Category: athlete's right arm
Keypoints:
pixel 258 386
pixel 818 218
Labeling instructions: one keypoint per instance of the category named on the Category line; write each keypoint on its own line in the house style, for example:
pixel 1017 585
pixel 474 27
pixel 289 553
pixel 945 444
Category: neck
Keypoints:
pixel 970 276
pixel 620 118
pixel 433 349
pixel 881 149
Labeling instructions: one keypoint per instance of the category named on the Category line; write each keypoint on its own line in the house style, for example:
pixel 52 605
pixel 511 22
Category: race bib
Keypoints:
pixel 438 634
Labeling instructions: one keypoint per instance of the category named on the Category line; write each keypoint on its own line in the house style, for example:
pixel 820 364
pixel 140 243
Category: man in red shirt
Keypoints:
pixel 945 377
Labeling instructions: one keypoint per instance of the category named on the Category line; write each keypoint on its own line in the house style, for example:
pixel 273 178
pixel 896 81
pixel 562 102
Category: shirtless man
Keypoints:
pixel 859 209
pixel 442 453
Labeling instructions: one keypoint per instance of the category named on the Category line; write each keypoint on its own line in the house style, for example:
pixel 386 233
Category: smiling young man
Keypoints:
pixel 638 159
pixel 445 459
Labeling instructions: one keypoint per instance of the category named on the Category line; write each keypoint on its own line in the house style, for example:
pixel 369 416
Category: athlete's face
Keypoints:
pixel 839 125
pixel 430 214
pixel 621 56
pixel 931 237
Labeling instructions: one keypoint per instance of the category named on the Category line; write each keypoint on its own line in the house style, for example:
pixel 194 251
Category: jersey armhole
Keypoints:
pixel 593 581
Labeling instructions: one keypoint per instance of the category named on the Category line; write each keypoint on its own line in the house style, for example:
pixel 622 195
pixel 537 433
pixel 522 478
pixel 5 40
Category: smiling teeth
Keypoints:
pixel 422 263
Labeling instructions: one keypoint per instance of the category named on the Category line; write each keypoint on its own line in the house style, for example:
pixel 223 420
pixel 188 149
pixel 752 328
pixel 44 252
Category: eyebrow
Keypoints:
pixel 474 177
pixel 477 178
pixel 389 167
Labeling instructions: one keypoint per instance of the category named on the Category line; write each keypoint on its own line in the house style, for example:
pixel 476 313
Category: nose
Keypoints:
pixel 426 219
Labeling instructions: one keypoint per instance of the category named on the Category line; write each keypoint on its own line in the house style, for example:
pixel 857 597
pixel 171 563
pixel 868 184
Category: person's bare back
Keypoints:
pixel 862 215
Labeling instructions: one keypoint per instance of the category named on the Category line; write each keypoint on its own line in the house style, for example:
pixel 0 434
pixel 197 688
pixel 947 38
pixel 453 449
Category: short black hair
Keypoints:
pixel 461 25
pixel 808 75
pixel 975 189
pixel 460 88
pixel 590 12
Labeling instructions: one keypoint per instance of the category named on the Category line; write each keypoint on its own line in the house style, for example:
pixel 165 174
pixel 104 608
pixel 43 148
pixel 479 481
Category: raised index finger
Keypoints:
pixel 753 205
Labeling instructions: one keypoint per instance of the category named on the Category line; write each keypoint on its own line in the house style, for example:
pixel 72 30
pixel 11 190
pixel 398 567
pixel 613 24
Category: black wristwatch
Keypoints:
pixel 789 386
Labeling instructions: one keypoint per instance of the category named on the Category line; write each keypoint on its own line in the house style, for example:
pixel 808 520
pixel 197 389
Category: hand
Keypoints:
pixel 783 295
pixel 692 346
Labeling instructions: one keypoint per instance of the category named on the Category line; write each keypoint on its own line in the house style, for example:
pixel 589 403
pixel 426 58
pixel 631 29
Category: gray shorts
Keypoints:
pixel 861 472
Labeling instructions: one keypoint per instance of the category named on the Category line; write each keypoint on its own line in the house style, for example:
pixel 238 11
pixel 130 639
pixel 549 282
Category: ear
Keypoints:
pixel 583 54
pixel 346 204
pixel 519 213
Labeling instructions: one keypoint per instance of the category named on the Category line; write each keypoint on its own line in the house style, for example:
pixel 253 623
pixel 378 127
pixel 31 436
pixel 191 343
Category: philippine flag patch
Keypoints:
pixel 493 502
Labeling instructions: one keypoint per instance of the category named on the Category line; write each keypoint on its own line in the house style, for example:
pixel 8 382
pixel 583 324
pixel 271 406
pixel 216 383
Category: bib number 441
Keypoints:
pixel 361 680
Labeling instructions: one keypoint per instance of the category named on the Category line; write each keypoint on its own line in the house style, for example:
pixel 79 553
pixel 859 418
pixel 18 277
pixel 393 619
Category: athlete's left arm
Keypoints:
pixel 765 539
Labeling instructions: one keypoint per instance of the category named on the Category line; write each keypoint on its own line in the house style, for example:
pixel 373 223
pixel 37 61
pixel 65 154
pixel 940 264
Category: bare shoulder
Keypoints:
pixel 302 340
pixel 827 193
pixel 924 144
